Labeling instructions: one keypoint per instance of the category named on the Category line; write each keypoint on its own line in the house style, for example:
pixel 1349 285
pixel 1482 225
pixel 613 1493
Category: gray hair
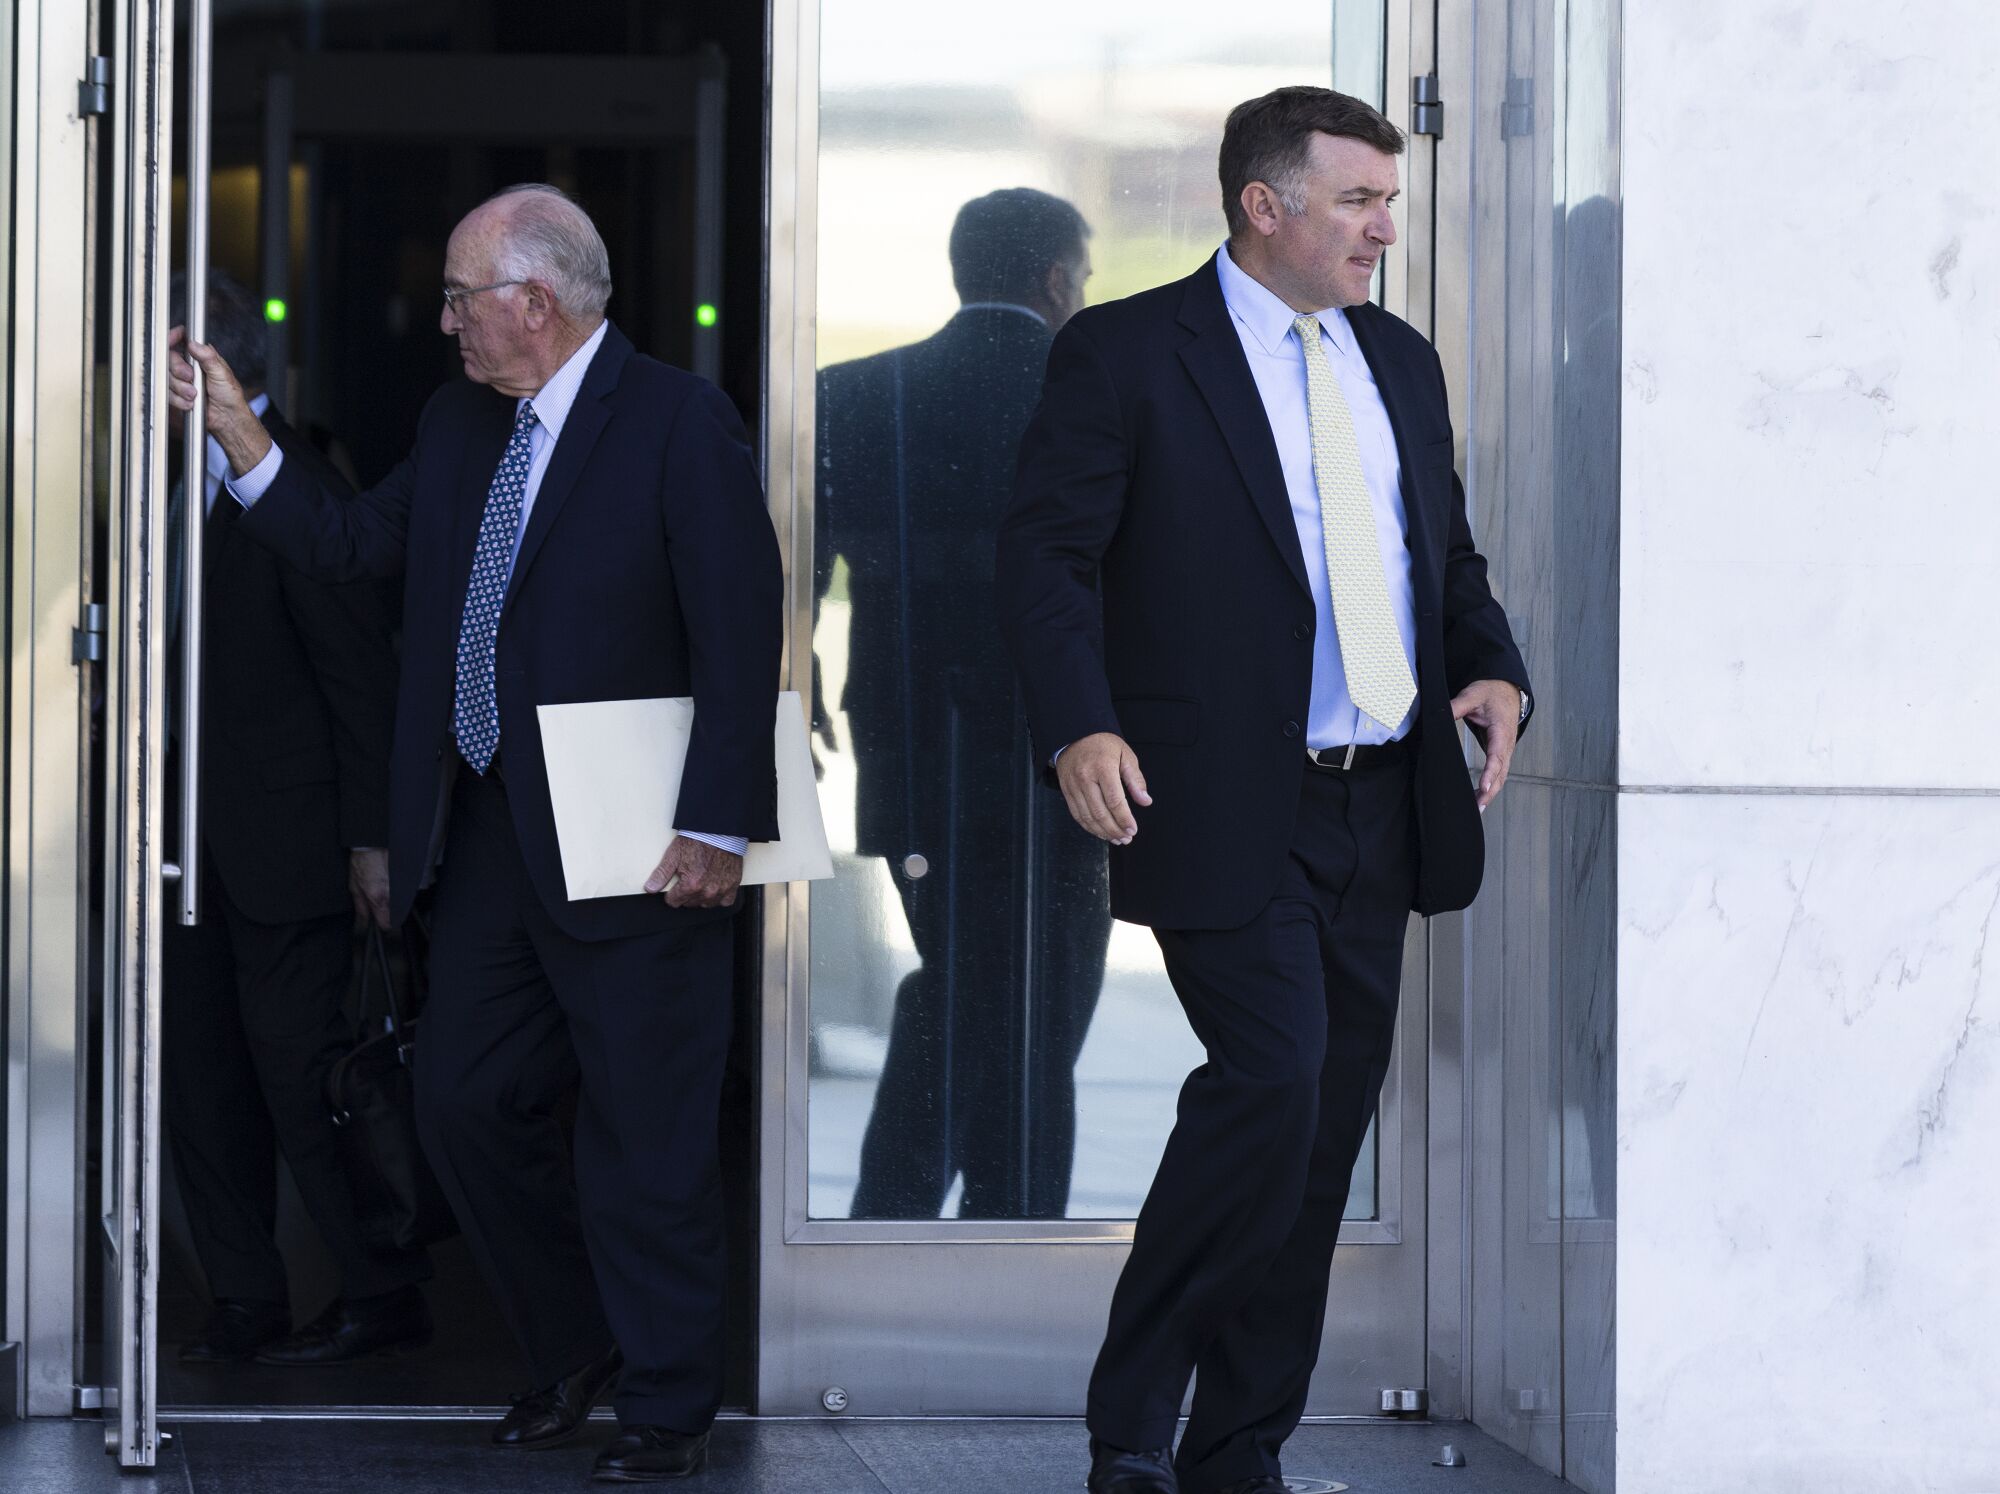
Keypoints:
pixel 548 237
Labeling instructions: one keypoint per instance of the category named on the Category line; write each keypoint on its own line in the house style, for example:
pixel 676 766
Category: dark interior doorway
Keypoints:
pixel 388 120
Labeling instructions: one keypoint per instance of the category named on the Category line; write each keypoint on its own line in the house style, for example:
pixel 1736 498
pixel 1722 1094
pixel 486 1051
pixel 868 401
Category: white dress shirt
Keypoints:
pixel 1277 363
pixel 553 402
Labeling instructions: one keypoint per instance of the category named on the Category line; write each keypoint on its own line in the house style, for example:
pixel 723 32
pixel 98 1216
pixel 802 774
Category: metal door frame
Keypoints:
pixel 50 153
pixel 938 1344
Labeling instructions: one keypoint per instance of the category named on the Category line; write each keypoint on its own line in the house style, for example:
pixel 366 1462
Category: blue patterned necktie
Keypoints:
pixel 476 713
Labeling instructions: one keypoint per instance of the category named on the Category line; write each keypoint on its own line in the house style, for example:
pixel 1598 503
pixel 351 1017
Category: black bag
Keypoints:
pixel 370 1094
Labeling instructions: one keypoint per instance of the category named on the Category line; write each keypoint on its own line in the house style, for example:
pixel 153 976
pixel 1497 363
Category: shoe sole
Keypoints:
pixel 386 1351
pixel 543 1444
pixel 618 1476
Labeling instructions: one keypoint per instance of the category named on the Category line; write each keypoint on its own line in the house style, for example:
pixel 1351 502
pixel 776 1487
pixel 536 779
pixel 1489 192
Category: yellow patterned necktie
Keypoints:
pixel 1371 649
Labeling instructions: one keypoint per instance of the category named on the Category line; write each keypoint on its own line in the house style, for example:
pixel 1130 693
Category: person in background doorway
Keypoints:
pixel 298 691
pixel 1240 587
pixel 1004 895
pixel 576 522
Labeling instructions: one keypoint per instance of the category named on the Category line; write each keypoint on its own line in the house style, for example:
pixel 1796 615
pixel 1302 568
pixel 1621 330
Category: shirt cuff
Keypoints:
pixel 253 484
pixel 736 845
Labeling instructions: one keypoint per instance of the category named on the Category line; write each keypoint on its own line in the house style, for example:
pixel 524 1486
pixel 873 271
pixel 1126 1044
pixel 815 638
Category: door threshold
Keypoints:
pixel 605 1413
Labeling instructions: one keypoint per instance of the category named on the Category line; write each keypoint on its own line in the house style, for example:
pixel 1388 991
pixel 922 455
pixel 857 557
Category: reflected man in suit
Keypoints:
pixel 576 522
pixel 298 699
pixel 1242 593
pixel 1005 898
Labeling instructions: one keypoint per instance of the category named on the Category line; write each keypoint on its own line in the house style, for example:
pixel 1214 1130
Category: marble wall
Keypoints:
pixel 1808 805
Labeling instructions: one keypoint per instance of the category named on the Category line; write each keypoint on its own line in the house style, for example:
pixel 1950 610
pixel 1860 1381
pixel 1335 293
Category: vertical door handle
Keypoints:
pixel 194 453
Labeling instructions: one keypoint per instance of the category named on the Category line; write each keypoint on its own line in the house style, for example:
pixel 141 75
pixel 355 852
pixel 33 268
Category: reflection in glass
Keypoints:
pixel 1005 899
pixel 986 1043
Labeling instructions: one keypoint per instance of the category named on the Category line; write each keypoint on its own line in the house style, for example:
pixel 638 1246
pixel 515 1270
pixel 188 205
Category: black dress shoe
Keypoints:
pixel 550 1417
pixel 345 1333
pixel 236 1330
pixel 651 1455
pixel 1113 1470
pixel 1264 1483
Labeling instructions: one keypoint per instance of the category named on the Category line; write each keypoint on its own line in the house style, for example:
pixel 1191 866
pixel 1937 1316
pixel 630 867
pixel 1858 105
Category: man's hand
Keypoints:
pixel 1492 708
pixel 1097 773
pixel 694 874
pixel 368 880
pixel 229 417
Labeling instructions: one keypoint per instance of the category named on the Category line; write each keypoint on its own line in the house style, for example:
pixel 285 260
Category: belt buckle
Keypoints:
pixel 1322 759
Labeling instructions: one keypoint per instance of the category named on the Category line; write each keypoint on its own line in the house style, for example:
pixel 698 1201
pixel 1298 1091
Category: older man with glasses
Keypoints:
pixel 575 522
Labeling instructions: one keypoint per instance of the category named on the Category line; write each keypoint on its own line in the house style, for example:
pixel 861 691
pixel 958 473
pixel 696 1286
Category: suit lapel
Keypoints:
pixel 1401 401
pixel 1215 361
pixel 586 422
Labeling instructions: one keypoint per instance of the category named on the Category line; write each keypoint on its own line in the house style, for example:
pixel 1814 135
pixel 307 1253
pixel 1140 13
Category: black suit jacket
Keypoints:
pixel 1151 584
pixel 648 567
pixel 298 697
pixel 916 452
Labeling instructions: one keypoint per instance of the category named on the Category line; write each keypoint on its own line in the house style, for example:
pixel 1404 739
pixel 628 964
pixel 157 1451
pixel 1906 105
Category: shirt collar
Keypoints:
pixel 965 306
pixel 218 459
pixel 1269 319
pixel 555 398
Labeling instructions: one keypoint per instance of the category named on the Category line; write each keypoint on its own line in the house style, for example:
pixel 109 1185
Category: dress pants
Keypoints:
pixel 1228 1276
pixel 254 1017
pixel 621 1240
pixel 980 1078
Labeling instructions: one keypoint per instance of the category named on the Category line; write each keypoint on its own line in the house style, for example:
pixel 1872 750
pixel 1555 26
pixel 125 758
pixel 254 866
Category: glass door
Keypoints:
pixel 142 871
pixel 970 1069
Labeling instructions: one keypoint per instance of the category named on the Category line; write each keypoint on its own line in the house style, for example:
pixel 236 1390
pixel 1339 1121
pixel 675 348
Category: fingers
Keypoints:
pixel 693 874
pixel 1105 812
pixel 669 864
pixel 1499 757
pixel 1135 781
pixel 1096 776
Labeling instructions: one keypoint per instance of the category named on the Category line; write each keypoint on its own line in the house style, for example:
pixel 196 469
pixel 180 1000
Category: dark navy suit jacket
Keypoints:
pixel 1151 584
pixel 298 696
pixel 648 567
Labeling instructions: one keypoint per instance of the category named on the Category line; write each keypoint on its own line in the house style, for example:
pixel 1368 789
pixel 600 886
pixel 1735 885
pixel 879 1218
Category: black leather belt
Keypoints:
pixel 1358 759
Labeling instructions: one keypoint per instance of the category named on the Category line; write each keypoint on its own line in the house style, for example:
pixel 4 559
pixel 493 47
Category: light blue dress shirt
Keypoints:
pixel 553 402
pixel 1277 363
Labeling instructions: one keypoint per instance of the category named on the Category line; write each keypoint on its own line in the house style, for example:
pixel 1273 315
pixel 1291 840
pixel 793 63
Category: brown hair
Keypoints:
pixel 1268 139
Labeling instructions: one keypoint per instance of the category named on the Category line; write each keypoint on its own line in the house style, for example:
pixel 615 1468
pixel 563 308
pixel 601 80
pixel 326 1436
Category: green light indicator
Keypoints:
pixel 274 310
pixel 705 315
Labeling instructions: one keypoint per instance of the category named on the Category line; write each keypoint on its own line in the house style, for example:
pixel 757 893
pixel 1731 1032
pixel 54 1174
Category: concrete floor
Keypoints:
pixel 749 1457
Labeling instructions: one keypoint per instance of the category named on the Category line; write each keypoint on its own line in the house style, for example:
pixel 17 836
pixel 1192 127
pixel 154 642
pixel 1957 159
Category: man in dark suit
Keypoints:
pixel 1238 554
pixel 1005 897
pixel 298 691
pixel 577 522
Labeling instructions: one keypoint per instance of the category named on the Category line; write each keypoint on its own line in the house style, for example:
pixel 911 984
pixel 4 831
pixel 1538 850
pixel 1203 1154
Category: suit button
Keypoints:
pixel 1291 728
pixel 1302 632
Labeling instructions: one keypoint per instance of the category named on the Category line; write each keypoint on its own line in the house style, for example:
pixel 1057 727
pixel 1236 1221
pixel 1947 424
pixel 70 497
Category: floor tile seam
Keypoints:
pixel 881 1479
pixel 187 1463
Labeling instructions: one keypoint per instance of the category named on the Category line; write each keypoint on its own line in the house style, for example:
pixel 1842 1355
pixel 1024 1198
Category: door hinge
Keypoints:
pixel 1426 106
pixel 1517 115
pixel 93 94
pixel 86 644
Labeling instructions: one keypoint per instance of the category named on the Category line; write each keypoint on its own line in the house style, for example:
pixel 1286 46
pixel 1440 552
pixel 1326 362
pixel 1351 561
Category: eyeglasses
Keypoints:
pixel 453 297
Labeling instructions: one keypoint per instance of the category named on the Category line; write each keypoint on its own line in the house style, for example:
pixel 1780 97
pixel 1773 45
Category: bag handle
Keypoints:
pixel 377 959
